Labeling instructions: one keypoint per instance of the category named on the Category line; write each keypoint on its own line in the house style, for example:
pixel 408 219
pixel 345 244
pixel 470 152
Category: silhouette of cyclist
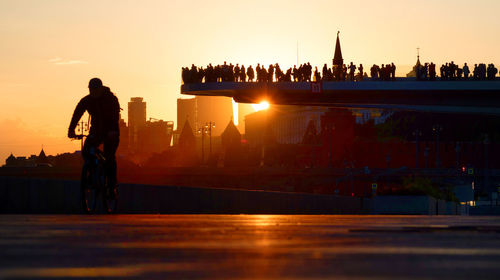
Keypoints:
pixel 104 110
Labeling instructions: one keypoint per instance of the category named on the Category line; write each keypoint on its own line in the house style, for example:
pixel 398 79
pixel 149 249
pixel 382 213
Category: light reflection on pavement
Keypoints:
pixel 248 247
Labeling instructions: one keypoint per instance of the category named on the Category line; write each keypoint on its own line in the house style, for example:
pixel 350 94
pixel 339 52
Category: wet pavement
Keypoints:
pixel 248 247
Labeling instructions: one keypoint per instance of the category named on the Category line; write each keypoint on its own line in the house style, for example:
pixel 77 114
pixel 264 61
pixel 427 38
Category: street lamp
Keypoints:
pixel 206 129
pixel 437 128
pixel 202 131
pixel 209 127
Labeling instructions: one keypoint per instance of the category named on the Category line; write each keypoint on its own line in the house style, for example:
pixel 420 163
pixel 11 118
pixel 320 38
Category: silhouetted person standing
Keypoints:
pixel 104 110
pixel 432 71
pixel 343 75
pixel 475 72
pixel 325 71
pixel 308 71
pixel 317 76
pixel 352 68
pixel 236 72
pixel 492 71
pixel 250 73
pixel 374 72
pixel 243 75
pixel 270 73
pixel 393 71
pixel 466 71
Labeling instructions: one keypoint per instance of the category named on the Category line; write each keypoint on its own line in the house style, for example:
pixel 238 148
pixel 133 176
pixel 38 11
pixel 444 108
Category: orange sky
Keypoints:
pixel 51 48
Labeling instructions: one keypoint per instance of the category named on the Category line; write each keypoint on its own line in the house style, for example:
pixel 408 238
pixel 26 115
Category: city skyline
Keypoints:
pixel 52 49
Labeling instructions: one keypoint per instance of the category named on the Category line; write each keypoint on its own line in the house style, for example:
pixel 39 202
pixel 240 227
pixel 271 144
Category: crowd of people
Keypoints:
pixel 237 73
pixel 385 72
pixel 351 72
pixel 451 71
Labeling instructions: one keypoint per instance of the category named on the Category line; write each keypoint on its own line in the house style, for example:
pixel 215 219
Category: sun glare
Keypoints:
pixel 261 106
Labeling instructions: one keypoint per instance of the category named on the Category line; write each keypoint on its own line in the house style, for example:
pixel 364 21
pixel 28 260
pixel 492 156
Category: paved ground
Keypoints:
pixel 249 247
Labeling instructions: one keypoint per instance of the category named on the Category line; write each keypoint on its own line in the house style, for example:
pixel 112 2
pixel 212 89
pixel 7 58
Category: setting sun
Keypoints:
pixel 261 106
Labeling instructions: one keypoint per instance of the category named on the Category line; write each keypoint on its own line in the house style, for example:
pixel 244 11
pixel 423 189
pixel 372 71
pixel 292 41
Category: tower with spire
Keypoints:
pixel 413 72
pixel 337 57
pixel 42 158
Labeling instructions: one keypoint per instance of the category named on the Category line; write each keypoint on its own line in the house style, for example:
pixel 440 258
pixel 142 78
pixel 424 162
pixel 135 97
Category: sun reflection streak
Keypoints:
pixel 263 220
pixel 264 105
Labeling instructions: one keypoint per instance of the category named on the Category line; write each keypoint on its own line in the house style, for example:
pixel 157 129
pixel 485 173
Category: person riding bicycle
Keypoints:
pixel 104 110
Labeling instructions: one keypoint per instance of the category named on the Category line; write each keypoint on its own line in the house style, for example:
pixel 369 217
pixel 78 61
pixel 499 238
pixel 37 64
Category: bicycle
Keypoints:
pixel 94 183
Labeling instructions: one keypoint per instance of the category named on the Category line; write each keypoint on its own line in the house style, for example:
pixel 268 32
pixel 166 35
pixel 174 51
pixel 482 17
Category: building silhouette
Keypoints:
pixel 187 146
pixel 154 137
pixel 201 110
pixel 337 61
pixel 282 124
pixel 413 72
pixel 42 160
pixel 141 137
pixel 231 145
pixel 213 109
pixel 123 147
pixel 136 120
pixel 186 111
pixel 243 111
pixel 311 136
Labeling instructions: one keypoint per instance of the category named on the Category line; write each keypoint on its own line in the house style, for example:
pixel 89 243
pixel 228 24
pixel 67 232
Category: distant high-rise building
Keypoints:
pixel 136 119
pixel 123 148
pixel 213 109
pixel 243 111
pixel 204 109
pixel 186 111
pixel 155 137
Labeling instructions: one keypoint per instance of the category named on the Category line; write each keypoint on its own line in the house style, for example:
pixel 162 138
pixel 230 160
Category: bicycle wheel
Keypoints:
pixel 110 197
pixel 88 189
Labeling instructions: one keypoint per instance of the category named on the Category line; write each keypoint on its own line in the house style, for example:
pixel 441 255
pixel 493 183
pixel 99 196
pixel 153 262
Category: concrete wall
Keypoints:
pixel 30 195
pixel 413 205
pixel 485 210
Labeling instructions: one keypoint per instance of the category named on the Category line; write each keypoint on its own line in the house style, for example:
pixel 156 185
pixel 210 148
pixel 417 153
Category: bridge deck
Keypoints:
pixel 439 96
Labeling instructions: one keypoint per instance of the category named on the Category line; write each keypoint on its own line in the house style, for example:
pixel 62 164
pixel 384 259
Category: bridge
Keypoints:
pixel 475 97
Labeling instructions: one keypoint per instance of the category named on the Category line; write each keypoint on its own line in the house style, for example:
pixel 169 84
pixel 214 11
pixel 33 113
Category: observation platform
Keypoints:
pixel 476 97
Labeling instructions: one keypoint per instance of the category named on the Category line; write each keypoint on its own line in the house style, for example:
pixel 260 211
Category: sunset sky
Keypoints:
pixel 50 49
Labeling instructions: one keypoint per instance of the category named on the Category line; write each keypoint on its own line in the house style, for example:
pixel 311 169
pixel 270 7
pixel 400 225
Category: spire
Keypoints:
pixel 337 57
pixel 187 138
pixel 414 71
pixel 418 57
pixel 231 135
pixel 11 160
pixel 42 154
